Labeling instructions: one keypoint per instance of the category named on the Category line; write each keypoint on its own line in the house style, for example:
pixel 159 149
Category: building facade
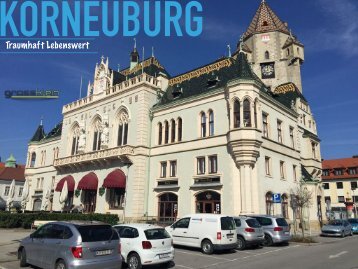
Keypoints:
pixel 235 136
pixel 340 179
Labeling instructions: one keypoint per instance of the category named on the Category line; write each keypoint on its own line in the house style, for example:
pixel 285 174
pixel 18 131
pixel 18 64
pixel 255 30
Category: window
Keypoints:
pixel 255 113
pixel 42 183
pixel 325 172
pixel 20 191
pixel 314 153
pixel 33 159
pixel 269 204
pixel 326 186
pixel 180 130
pixel 282 170
pixel 201 165
pixel 211 123
pixel 247 113
pixel 7 190
pixel 213 164
pixel 97 135
pixel 160 133
pixel 163 169
pixel 203 124
pixel 173 129
pixel 267 55
pixel 284 206
pixel 236 114
pixel 304 119
pixel 339 185
pixel 294 168
pixel 75 140
pixel 116 198
pixel 292 137
pixel 352 171
pixel 265 23
pixel 327 198
pixel 279 131
pixel 166 132
pixel 268 166
pixel 168 207
pixel 288 51
pixel 183 223
pixel 265 125
pixel 173 168
pixel 341 199
pixel 125 134
pixel 338 172
pixel 353 185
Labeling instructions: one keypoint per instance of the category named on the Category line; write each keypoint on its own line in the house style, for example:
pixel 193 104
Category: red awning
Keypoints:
pixel 70 184
pixel 88 182
pixel 115 179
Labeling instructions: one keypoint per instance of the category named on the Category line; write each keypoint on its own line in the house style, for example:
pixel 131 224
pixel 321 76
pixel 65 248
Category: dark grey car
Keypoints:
pixel 249 232
pixel 67 245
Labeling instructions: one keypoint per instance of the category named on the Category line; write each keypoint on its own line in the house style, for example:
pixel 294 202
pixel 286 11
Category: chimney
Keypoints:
pixel 355 157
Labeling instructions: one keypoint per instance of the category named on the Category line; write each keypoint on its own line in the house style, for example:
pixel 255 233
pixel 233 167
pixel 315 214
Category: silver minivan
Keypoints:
pixel 67 245
pixel 249 232
pixel 276 229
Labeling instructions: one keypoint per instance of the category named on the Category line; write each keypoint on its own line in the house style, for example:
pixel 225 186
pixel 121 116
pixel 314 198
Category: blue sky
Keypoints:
pixel 328 29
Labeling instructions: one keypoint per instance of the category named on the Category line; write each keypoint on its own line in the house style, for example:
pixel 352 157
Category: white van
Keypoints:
pixel 206 231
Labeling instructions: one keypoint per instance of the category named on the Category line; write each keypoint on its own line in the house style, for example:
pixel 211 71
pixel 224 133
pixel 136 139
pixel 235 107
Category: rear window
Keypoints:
pixel 264 221
pixel 281 222
pixel 353 221
pixel 253 223
pixel 156 234
pixel 227 223
pixel 96 233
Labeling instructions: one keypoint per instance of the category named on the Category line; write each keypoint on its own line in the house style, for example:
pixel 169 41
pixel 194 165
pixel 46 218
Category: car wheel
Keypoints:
pixel 60 265
pixel 342 234
pixel 207 247
pixel 134 261
pixel 22 258
pixel 351 234
pixel 241 243
pixel 268 241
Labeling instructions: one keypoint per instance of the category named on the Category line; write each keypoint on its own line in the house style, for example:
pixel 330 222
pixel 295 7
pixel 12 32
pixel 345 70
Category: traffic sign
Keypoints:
pixel 276 198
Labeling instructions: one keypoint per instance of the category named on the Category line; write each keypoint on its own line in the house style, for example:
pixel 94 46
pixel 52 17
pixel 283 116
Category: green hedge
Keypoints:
pixel 25 220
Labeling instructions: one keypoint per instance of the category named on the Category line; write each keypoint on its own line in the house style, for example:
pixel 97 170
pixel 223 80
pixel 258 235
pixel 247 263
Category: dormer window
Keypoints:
pixel 265 23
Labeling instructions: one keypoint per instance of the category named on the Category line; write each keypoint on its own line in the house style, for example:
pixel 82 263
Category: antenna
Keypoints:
pixel 81 88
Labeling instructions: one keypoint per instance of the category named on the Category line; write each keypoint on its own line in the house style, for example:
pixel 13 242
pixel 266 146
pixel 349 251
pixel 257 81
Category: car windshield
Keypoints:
pixel 281 222
pixel 227 223
pixel 96 233
pixel 335 223
pixel 253 223
pixel 156 234
pixel 353 221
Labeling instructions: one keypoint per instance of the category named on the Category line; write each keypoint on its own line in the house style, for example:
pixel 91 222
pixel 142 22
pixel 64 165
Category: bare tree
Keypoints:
pixel 302 199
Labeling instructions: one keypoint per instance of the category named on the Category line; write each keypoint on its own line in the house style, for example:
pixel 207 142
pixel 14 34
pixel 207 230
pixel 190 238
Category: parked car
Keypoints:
pixel 249 232
pixel 276 229
pixel 62 245
pixel 337 228
pixel 144 244
pixel 206 231
pixel 354 223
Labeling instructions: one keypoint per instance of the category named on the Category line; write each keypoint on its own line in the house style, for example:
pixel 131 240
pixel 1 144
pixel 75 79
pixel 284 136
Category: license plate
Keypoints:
pixel 103 252
pixel 287 233
pixel 230 236
pixel 163 256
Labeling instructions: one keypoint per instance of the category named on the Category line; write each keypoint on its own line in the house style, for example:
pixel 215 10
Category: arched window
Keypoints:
pixel 267 55
pixel 166 132
pixel 211 123
pixel 247 113
pixel 269 204
pixel 33 159
pixel 97 134
pixel 180 130
pixel 288 51
pixel 173 128
pixel 237 114
pixel 160 133
pixel 284 206
pixel 168 207
pixel 122 128
pixel 75 139
pixel 203 124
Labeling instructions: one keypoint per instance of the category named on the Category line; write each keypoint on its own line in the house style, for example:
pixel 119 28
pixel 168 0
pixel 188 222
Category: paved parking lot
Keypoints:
pixel 328 253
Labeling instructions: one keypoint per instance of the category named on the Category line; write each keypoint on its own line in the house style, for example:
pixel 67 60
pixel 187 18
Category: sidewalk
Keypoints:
pixel 9 241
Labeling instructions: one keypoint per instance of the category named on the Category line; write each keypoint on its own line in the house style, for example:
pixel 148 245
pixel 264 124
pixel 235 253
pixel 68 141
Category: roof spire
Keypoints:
pixel 229 50
pixel 41 120
pixel 152 52
pixel 135 43
pixel 241 43
pixel 102 59
pixel 119 67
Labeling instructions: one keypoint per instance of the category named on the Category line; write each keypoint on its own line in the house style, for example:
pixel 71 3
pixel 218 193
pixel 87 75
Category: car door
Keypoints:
pixel 179 232
pixel 36 251
pixel 127 235
pixel 52 245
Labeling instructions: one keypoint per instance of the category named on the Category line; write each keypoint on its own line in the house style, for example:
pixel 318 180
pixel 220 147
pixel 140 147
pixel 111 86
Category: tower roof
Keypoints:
pixel 11 162
pixel 39 134
pixel 265 20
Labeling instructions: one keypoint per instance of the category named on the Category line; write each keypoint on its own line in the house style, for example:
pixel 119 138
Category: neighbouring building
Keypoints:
pixel 10 171
pixel 339 180
pixel 234 136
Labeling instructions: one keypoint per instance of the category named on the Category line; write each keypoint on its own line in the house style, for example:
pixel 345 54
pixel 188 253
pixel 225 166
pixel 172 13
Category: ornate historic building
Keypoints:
pixel 234 136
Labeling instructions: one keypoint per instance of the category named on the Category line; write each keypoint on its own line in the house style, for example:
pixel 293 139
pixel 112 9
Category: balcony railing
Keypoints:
pixel 101 155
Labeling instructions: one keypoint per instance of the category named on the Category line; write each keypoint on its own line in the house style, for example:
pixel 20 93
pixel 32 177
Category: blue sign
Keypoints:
pixel 276 198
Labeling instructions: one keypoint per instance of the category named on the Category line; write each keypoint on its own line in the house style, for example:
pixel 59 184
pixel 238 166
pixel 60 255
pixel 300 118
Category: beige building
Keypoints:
pixel 234 136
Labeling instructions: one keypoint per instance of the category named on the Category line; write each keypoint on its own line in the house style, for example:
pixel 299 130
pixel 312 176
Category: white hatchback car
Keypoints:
pixel 145 244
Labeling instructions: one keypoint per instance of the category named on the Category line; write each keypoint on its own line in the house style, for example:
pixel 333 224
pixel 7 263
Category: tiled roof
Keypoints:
pixel 55 132
pixel 344 164
pixel 288 93
pixel 265 20
pixel 9 173
pixel 39 134
pixel 292 40
pixel 151 67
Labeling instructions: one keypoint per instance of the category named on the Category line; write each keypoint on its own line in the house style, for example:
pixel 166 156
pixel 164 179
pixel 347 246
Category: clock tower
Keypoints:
pixel 275 53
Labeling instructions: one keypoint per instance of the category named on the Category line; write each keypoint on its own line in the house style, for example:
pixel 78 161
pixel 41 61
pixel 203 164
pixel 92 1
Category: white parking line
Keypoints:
pixel 204 256
pixel 176 265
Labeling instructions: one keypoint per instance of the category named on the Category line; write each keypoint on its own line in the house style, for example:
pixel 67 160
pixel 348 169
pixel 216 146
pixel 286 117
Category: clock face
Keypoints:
pixel 268 71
